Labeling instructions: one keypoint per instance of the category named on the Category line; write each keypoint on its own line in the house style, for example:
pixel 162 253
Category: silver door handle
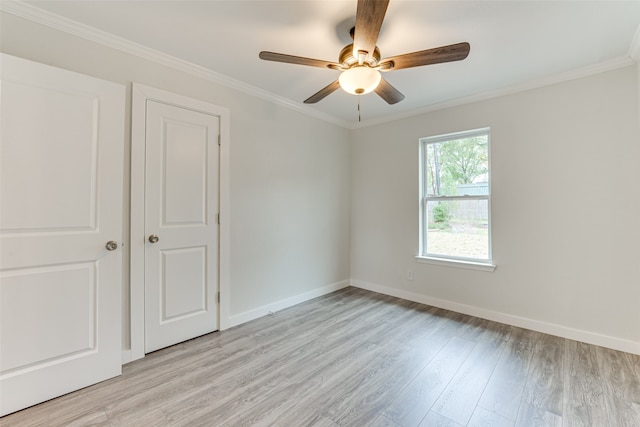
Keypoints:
pixel 111 245
pixel 154 239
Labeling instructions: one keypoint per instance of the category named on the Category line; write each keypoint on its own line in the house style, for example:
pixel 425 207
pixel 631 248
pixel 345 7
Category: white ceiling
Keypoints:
pixel 513 43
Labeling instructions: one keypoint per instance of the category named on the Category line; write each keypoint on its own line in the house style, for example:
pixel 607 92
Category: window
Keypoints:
pixel 455 211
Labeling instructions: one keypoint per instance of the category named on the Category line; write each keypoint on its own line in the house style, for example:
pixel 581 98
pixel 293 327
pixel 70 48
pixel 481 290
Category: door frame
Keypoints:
pixel 140 95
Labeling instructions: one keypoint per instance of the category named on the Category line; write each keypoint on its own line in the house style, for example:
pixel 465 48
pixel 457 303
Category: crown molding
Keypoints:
pixel 602 67
pixel 57 22
pixel 634 49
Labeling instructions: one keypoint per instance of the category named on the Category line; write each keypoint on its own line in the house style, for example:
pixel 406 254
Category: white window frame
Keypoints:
pixel 447 260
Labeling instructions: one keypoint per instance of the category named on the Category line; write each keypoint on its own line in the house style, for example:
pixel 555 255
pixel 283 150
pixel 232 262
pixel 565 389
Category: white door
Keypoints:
pixel 61 167
pixel 181 227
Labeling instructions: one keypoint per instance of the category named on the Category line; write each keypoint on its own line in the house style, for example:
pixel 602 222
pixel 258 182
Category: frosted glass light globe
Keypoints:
pixel 359 80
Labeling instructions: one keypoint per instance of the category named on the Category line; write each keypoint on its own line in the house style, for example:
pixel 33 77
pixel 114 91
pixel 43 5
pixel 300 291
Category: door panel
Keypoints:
pixel 186 167
pixel 42 314
pixel 61 158
pixel 69 193
pixel 181 204
pixel 184 279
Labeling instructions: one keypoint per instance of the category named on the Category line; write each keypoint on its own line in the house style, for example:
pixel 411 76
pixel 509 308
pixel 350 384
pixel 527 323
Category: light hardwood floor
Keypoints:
pixel 357 358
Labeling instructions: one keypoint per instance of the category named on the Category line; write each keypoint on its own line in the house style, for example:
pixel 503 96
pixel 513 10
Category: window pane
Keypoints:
pixel 458 228
pixel 457 167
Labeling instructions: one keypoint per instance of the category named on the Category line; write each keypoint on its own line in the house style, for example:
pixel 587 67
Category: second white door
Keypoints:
pixel 181 224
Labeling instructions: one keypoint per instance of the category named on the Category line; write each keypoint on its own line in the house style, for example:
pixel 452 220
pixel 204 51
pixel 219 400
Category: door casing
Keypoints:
pixel 142 94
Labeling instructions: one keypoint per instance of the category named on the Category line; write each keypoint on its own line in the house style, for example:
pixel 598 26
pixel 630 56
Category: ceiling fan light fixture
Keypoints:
pixel 361 63
pixel 359 80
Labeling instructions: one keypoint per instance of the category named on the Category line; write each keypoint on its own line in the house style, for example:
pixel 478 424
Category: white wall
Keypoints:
pixel 565 208
pixel 289 172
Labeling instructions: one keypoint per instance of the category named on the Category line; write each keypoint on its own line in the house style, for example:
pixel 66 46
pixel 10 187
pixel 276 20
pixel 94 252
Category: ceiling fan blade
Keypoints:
pixel 322 93
pixel 369 17
pixel 290 59
pixel 388 92
pixel 452 52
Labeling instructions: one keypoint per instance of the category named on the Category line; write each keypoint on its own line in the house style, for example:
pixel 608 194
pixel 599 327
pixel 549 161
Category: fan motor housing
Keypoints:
pixel 347 59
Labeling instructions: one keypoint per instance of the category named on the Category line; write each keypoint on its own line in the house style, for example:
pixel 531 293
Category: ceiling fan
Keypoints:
pixel 360 61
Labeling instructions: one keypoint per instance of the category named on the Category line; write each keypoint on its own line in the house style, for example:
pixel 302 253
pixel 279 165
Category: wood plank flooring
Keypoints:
pixel 357 358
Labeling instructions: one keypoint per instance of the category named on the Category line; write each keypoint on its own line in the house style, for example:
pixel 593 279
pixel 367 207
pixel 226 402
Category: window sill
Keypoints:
pixel 469 265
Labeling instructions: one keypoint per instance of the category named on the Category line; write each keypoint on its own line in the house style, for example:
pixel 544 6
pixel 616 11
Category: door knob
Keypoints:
pixel 153 238
pixel 111 245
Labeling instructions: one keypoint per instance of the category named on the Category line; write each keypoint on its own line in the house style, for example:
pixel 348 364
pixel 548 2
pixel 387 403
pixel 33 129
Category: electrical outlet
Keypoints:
pixel 409 274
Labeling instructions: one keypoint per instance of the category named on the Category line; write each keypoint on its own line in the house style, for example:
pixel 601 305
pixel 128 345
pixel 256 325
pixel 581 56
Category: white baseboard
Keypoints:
pixel 509 319
pixel 247 316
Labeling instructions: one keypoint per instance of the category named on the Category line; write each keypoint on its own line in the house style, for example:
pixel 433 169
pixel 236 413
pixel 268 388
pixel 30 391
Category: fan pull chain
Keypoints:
pixel 359 118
